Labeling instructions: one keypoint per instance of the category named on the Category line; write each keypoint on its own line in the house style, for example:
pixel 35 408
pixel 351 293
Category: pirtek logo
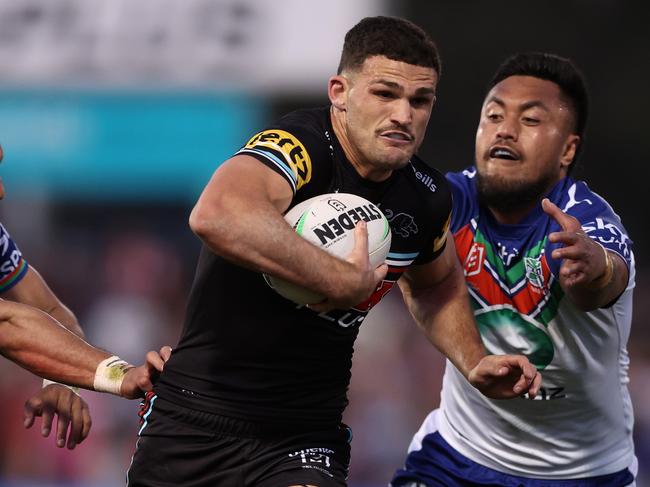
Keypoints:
pixel 346 221
pixel 294 153
pixel 426 180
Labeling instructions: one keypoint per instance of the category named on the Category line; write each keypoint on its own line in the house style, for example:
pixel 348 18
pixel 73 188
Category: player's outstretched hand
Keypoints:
pixel 505 376
pixel 583 259
pixel 73 417
pixel 365 278
pixel 140 380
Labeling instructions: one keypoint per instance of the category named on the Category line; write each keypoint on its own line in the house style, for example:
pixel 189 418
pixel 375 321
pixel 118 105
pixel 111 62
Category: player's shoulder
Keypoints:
pixel 576 198
pixel 4 234
pixel 463 181
pixel 463 188
pixel 293 145
pixel 428 181
pixel 305 128
pixel 426 193
pixel 596 216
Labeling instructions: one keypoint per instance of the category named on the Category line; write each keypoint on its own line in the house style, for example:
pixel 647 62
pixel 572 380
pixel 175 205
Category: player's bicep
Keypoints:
pixel 245 181
pixel 430 275
pixel 33 290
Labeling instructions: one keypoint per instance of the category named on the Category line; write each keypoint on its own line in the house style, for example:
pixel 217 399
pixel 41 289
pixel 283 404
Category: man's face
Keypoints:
pixel 525 140
pixel 388 104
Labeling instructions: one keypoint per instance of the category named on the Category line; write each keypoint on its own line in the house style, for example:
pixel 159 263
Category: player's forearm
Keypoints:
pixel 67 318
pixel 39 344
pixel 603 289
pixel 253 234
pixel 444 313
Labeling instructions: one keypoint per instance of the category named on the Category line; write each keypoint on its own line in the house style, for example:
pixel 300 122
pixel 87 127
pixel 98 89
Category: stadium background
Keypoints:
pixel 113 115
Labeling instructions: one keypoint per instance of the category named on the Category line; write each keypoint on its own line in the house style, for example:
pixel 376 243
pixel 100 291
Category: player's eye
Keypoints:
pixel 420 101
pixel 386 95
pixel 531 120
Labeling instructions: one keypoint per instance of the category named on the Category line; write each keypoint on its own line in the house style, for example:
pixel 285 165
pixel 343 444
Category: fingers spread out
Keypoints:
pixel 567 238
pixel 76 426
pixel 46 423
pixel 33 408
pixel 567 222
pixel 72 417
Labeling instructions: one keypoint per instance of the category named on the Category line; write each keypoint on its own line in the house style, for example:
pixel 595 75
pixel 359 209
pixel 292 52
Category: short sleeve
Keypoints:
pixel 598 220
pixel 441 216
pixel 13 266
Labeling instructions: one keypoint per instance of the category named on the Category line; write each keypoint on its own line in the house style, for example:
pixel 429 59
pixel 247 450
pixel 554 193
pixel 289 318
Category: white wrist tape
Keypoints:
pixel 47 382
pixel 110 374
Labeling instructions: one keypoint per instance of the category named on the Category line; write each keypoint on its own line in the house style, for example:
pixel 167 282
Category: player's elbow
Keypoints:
pixel 210 224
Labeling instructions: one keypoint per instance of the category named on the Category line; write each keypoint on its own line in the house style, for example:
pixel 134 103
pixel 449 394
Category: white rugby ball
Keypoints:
pixel 328 221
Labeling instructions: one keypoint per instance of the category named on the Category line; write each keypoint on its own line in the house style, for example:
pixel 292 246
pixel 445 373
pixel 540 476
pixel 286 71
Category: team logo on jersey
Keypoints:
pixel 402 224
pixel 534 272
pixel 474 260
pixel 285 145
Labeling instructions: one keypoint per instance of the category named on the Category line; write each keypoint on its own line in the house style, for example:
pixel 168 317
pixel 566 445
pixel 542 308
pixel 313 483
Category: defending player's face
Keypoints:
pixel 525 138
pixel 387 110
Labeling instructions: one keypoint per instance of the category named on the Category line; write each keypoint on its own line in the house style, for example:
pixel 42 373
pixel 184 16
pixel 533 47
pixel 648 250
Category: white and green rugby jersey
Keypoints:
pixel 580 425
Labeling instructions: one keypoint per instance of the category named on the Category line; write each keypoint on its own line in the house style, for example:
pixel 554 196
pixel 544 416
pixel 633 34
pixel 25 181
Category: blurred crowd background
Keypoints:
pixel 114 114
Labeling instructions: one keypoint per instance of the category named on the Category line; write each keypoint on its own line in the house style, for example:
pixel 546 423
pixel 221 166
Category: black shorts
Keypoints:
pixel 183 447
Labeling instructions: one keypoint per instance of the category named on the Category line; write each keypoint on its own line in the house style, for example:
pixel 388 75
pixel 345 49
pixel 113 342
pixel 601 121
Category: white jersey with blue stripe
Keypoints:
pixel 580 425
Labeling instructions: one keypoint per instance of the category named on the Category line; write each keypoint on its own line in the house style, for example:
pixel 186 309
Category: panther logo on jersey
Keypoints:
pixel 402 224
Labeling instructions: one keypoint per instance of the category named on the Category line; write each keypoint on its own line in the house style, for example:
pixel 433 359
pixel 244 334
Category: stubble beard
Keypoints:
pixel 508 196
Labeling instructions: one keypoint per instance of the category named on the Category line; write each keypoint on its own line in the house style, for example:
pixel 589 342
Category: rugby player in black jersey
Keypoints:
pixel 255 390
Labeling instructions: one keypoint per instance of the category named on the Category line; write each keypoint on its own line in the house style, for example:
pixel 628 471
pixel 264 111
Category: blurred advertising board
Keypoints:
pixel 120 145
pixel 273 47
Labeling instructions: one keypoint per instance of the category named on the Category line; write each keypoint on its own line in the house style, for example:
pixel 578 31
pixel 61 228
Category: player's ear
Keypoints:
pixel 337 90
pixel 570 149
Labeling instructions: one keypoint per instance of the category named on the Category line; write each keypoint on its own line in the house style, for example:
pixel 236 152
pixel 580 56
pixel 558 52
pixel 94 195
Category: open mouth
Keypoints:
pixel 504 153
pixel 399 136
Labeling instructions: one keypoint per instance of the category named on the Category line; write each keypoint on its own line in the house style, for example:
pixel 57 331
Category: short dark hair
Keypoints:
pixel 558 70
pixel 397 39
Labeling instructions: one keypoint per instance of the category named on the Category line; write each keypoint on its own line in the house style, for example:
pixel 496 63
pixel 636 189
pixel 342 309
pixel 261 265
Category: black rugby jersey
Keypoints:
pixel 245 351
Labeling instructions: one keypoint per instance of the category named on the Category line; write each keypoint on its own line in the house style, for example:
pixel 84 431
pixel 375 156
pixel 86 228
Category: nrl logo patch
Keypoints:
pixel 534 273
pixel 474 260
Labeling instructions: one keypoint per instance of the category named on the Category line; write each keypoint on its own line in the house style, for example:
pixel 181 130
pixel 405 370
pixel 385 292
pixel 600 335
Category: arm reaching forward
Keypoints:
pixel 436 296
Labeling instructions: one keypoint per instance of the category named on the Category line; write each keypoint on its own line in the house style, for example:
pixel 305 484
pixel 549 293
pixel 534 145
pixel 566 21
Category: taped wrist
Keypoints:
pixel 110 374
pixel 47 382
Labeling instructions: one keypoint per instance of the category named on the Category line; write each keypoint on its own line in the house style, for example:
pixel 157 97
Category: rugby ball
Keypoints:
pixel 328 221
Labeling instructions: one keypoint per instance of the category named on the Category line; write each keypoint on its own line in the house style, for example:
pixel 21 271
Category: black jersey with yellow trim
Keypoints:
pixel 248 353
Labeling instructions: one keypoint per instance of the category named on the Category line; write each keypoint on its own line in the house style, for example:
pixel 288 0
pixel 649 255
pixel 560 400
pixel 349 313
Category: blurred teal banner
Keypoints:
pixel 98 146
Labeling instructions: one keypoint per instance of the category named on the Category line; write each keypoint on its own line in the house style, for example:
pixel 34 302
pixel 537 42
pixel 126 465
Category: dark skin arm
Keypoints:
pixel 37 342
pixel 53 399
pixel 584 274
pixel 436 296
pixel 34 291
